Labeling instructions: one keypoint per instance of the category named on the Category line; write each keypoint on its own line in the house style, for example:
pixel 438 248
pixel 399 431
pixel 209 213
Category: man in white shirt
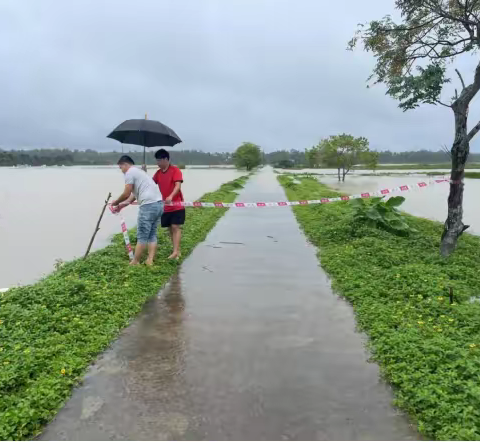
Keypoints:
pixel 139 186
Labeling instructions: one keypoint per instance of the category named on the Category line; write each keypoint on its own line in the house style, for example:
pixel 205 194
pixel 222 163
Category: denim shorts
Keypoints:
pixel 149 216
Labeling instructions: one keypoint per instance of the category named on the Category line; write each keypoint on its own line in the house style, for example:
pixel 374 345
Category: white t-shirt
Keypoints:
pixel 144 188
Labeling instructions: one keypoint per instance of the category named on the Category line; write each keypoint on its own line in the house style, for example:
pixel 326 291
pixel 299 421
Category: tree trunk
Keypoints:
pixel 454 226
pixel 345 173
pixel 339 174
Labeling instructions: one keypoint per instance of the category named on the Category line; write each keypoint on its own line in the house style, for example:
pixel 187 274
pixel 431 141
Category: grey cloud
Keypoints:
pixel 219 72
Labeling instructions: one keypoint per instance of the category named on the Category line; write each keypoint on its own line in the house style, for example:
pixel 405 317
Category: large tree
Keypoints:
pixel 343 152
pixel 412 57
pixel 248 156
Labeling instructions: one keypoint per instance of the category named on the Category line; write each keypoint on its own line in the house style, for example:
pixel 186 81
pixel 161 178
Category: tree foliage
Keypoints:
pixel 342 152
pixel 247 156
pixel 411 60
pixel 312 157
pixel 412 56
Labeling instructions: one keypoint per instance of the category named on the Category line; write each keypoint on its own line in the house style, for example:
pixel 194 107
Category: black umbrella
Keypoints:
pixel 146 133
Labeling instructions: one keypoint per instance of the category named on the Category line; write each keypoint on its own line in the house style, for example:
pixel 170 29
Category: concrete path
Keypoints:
pixel 246 343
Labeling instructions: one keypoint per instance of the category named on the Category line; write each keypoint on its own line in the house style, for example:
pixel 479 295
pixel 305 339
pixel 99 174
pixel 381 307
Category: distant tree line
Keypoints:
pixel 293 158
pixel 298 158
pixel 89 157
pixel 420 157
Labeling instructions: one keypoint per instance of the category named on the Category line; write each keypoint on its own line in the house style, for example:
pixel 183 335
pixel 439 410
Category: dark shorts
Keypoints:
pixel 176 218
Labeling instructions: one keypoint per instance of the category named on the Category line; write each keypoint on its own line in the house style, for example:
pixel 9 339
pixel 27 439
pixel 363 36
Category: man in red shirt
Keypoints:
pixel 169 179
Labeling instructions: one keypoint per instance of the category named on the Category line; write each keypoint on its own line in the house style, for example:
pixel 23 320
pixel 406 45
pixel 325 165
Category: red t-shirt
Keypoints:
pixel 166 182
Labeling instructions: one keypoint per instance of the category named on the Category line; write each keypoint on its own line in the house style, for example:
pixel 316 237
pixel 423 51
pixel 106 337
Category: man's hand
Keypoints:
pixel 168 200
pixel 117 207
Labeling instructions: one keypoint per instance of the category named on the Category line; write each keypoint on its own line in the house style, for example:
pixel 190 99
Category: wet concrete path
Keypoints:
pixel 246 343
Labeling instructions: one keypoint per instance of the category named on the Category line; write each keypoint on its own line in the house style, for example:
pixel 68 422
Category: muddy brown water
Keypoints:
pixel 247 342
pixel 50 213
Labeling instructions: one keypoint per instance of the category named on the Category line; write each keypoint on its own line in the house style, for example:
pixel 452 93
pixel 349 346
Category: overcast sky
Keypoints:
pixel 219 72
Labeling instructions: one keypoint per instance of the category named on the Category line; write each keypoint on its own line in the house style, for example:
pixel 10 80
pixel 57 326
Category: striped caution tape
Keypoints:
pixel 126 238
pixel 382 192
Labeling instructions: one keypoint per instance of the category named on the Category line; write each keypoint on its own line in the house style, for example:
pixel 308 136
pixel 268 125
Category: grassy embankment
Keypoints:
pixel 427 348
pixel 52 330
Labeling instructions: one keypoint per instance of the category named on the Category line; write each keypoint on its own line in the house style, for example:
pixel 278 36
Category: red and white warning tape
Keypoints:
pixel 126 238
pixel 382 192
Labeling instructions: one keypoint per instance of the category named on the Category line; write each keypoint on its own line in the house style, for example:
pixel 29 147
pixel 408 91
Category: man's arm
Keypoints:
pixel 127 193
pixel 127 202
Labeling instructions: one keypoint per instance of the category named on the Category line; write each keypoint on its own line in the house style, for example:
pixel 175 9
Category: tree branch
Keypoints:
pixel 471 90
pixel 443 104
pixel 474 131
pixel 452 43
pixel 437 56
pixel 461 79
pixel 435 7
pixel 412 28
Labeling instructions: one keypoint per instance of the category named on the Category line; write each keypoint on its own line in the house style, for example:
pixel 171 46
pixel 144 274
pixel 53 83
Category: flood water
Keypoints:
pixel 429 202
pixel 50 213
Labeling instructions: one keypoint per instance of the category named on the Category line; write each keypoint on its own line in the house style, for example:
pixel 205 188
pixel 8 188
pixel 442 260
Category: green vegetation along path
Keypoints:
pixel 247 342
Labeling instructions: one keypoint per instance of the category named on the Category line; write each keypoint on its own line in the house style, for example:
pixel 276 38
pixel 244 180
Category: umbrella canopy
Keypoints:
pixel 143 132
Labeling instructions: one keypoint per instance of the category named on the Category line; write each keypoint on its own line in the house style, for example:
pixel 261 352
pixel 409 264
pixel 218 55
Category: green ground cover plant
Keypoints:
pixel 52 330
pixel 382 213
pixel 426 343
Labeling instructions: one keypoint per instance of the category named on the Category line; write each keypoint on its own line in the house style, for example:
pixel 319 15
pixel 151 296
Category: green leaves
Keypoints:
pixel 425 87
pixel 412 55
pixel 395 201
pixel 248 156
pixel 372 213
pixel 380 214
pixel 343 152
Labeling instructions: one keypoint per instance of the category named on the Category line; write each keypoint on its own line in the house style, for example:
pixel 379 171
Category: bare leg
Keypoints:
pixel 176 233
pixel 139 249
pixel 152 250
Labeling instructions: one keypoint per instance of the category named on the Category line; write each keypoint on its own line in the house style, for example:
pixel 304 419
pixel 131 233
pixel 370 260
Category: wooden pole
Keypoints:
pixel 97 227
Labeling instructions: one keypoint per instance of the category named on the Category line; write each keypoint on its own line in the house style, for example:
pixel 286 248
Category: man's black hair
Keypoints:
pixel 125 159
pixel 162 154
